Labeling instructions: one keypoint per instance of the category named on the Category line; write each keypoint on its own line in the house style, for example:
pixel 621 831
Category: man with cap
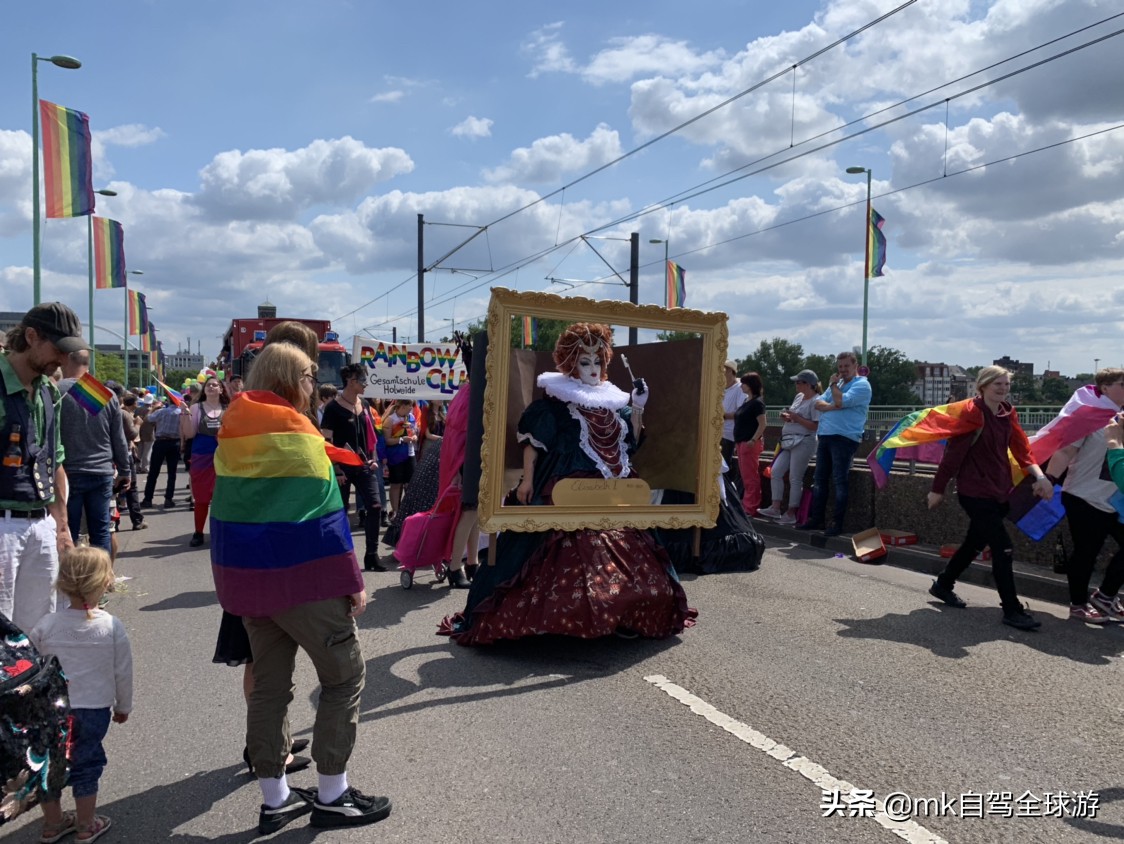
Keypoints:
pixel 732 399
pixel 95 447
pixel 33 522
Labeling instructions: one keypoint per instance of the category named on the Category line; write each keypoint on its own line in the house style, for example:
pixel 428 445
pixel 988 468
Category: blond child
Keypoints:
pixel 95 654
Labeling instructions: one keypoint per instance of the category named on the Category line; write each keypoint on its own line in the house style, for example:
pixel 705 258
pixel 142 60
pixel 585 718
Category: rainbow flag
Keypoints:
pixel 530 331
pixel 676 285
pixel 176 397
pixel 109 253
pixel 1087 411
pixel 928 425
pixel 91 394
pixel 876 245
pixel 138 313
pixel 68 173
pixel 279 533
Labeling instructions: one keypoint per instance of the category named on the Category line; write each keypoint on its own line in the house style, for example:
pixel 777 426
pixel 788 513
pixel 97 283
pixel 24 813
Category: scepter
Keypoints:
pixel 637 383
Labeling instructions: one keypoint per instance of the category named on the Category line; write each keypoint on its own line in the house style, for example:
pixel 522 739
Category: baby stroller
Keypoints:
pixel 425 538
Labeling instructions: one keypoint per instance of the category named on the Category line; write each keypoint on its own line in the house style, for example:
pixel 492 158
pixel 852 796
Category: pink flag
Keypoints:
pixel 1088 410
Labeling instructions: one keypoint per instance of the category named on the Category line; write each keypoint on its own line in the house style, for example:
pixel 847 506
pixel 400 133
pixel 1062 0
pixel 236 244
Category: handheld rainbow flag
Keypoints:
pixel 279 531
pixel 530 331
pixel 876 245
pixel 109 253
pixel 138 313
pixel 676 285
pixel 68 173
pixel 91 394
pixel 176 397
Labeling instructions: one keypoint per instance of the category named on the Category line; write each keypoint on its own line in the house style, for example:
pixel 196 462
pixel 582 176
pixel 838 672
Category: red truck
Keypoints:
pixel 244 339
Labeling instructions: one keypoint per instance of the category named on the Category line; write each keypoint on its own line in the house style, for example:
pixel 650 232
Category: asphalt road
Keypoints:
pixel 803 681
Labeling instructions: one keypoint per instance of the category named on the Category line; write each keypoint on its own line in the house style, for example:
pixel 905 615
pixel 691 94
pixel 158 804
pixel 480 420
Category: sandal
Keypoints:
pixel 51 834
pixel 95 829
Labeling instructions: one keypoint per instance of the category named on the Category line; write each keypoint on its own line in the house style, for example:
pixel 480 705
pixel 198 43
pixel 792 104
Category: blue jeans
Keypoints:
pixel 834 453
pixel 87 756
pixel 93 495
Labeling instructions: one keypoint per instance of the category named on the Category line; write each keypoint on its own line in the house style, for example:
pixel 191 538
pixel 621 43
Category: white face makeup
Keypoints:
pixel 589 369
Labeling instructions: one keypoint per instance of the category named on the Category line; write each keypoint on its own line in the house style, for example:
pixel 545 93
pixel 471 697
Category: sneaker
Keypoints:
pixel 786 519
pixel 1088 613
pixel 300 803
pixel 147 503
pixel 1112 609
pixel 1021 619
pixel 352 808
pixel 770 513
pixel 947 596
pixel 196 540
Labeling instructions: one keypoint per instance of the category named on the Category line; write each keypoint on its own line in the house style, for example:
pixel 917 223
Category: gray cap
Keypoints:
pixel 806 376
pixel 57 323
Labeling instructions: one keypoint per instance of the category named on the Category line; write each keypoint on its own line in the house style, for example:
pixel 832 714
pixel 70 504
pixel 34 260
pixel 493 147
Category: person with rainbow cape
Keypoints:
pixel 590 582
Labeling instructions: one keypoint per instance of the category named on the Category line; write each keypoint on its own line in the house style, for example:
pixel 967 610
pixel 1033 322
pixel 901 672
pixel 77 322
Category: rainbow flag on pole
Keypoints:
pixel 91 394
pixel 68 173
pixel 676 285
pixel 138 313
pixel 176 397
pixel 876 245
pixel 530 331
pixel 279 532
pixel 109 253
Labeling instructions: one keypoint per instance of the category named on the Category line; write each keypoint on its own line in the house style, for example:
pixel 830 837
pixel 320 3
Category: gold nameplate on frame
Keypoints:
pixel 598 492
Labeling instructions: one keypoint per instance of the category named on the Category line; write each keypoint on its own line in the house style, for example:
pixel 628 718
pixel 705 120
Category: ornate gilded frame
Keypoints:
pixel 506 304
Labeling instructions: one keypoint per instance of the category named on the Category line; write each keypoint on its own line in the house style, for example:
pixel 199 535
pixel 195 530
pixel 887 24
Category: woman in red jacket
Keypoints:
pixel 978 460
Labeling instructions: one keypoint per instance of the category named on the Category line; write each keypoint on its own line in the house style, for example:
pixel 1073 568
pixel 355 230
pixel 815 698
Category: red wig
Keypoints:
pixel 583 338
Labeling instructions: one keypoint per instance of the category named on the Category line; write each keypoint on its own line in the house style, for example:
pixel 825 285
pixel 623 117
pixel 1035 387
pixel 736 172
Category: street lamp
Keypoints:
pixel 90 269
pixel 68 63
pixel 666 261
pixel 866 258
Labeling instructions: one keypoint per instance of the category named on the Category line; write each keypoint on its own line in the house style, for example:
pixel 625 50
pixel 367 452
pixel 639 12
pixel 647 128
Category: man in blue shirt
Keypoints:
pixel 844 407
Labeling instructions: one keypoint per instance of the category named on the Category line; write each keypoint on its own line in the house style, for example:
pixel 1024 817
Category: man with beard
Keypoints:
pixel 33 522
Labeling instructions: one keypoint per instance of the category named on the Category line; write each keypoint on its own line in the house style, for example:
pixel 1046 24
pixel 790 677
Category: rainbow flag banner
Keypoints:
pixel 876 245
pixel 68 173
pixel 109 253
pixel 91 394
pixel 176 397
pixel 928 425
pixel 530 331
pixel 1087 411
pixel 279 533
pixel 676 285
pixel 138 313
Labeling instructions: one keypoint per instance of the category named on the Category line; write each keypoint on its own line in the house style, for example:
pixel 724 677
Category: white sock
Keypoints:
pixel 332 786
pixel 274 792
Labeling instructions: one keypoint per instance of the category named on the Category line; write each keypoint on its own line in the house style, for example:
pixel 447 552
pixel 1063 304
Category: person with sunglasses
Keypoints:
pixel 347 423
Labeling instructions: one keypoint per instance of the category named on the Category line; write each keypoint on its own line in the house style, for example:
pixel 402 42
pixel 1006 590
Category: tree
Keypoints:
pixel 109 367
pixel 776 361
pixel 891 376
pixel 822 365
pixel 175 377
pixel 1055 390
pixel 546 334
pixel 673 336
pixel 1023 390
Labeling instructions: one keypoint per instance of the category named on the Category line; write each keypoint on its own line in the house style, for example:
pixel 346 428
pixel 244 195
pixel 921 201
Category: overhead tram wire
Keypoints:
pixel 688 194
pixel 675 129
pixel 652 208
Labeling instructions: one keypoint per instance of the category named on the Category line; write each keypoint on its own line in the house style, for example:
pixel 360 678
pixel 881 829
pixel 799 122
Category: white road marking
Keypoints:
pixel 910 831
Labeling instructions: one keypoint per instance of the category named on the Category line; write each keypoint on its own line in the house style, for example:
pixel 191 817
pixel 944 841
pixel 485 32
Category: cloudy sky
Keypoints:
pixel 282 150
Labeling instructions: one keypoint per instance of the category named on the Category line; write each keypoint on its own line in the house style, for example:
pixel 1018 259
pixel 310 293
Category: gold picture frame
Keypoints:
pixel 692 429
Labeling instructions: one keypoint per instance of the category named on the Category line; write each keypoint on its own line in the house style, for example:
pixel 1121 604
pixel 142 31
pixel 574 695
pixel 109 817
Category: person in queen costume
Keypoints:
pixel 590 582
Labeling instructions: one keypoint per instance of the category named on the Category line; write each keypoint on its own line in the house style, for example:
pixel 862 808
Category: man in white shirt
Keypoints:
pixel 732 399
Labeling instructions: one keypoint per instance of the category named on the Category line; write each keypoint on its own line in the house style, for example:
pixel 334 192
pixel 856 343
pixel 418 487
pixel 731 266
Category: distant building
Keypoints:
pixel 137 358
pixel 9 320
pixel 933 383
pixel 184 360
pixel 1017 367
pixel 959 383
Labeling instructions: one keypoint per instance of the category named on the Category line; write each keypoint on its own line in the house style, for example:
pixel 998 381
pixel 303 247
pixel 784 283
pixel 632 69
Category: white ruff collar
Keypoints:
pixel 605 395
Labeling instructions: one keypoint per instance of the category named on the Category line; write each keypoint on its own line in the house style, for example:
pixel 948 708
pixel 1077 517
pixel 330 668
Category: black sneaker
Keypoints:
pixel 947 596
pixel 352 808
pixel 147 503
pixel 299 803
pixel 1021 619
pixel 196 540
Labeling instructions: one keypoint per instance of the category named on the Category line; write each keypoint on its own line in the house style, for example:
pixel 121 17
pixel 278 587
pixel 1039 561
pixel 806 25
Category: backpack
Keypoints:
pixel 34 723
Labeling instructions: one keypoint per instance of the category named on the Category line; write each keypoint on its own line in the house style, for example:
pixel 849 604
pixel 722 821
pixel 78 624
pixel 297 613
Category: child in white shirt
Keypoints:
pixel 96 657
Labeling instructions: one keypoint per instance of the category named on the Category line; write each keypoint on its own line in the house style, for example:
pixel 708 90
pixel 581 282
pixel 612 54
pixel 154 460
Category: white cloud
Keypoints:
pixel 548 159
pixel 473 127
pixel 547 52
pixel 278 184
pixel 130 135
pixel 388 97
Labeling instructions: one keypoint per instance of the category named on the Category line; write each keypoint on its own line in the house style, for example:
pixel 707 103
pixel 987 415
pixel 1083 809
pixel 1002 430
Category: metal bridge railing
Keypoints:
pixel 881 417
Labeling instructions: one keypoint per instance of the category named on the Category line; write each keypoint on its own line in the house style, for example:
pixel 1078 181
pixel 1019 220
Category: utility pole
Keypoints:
pixel 421 279
pixel 633 280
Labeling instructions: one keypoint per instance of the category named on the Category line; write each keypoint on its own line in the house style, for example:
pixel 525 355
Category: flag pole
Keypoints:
pixel 866 259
